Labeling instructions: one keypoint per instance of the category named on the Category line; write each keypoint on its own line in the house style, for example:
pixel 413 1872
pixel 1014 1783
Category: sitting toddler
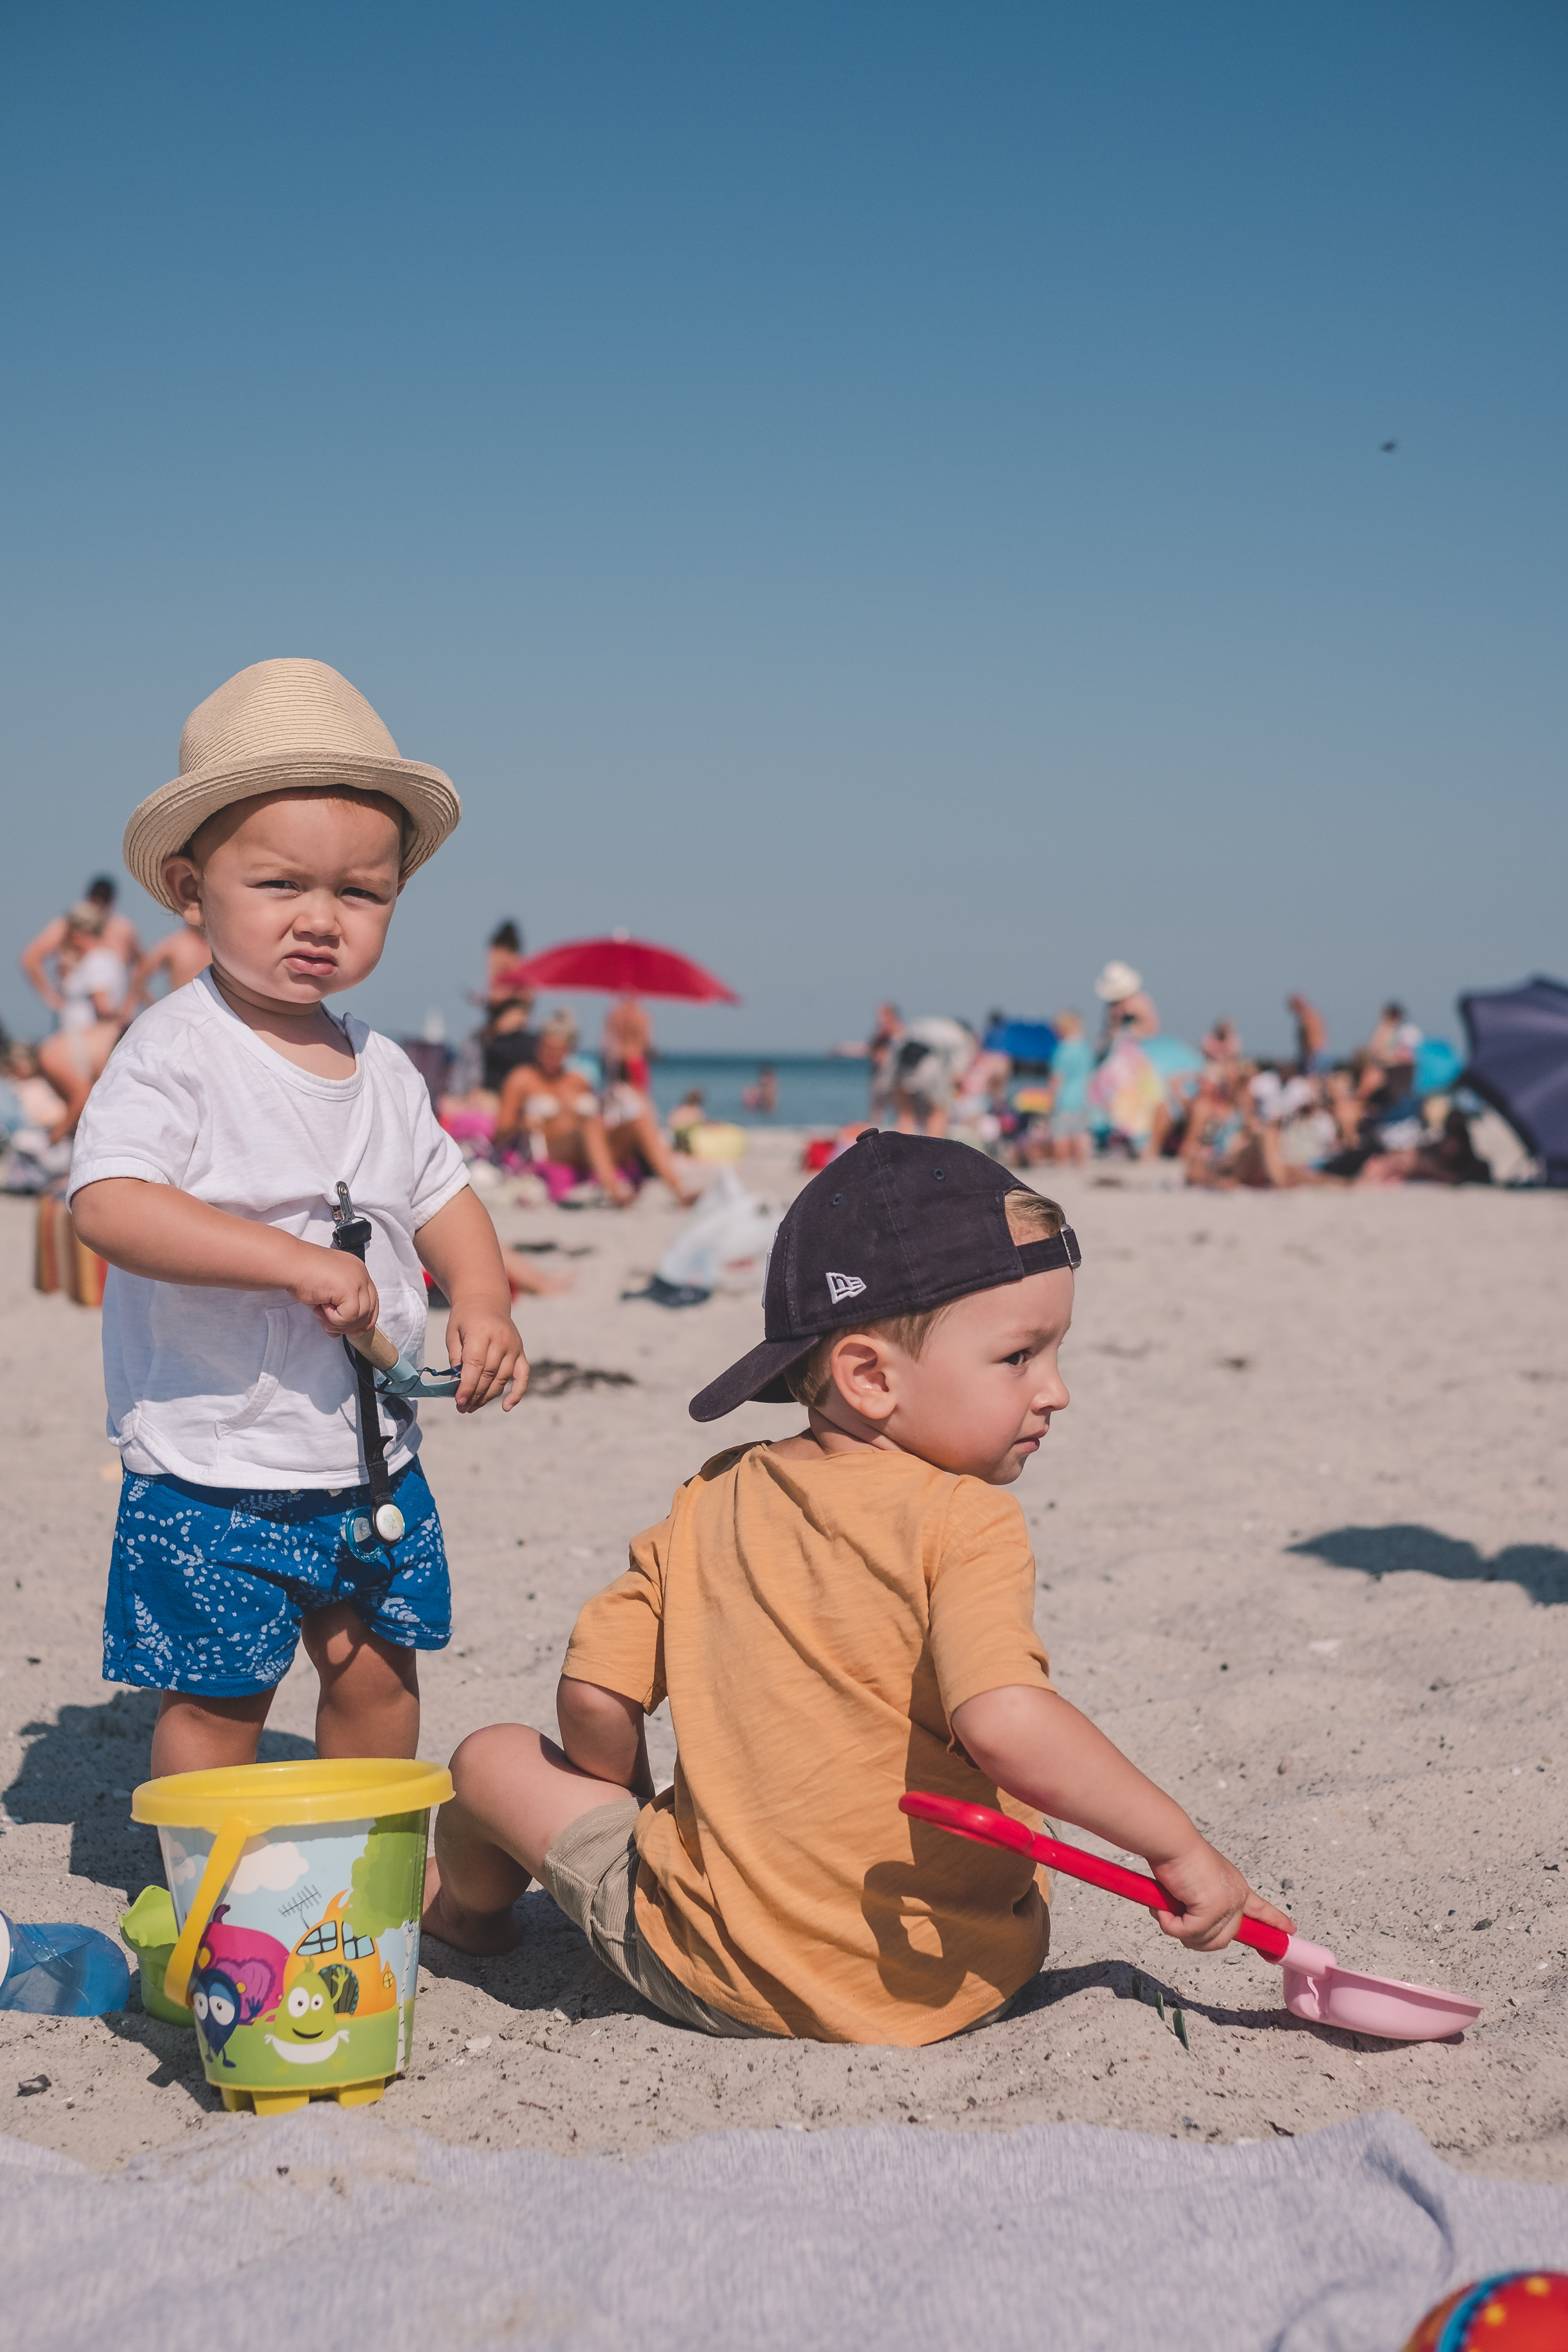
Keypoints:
pixel 835 1619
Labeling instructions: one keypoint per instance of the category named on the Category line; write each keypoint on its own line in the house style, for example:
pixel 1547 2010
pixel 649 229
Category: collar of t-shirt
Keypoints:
pixel 254 1043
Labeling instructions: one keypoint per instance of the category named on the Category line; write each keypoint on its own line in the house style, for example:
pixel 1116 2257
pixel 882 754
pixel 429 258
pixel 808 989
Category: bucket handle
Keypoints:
pixel 227 1846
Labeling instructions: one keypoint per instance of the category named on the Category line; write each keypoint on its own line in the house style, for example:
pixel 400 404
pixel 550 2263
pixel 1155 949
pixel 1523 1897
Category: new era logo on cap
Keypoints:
pixel 841 1287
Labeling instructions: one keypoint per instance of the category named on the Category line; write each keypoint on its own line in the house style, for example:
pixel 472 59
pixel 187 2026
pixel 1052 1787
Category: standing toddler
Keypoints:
pixel 207 1168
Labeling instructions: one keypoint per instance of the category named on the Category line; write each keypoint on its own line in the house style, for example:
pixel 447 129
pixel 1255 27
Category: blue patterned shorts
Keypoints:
pixel 207 1584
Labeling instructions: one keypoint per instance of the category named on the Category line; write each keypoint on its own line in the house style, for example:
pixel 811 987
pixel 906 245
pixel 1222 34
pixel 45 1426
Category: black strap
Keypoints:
pixel 353 1235
pixel 1059 1249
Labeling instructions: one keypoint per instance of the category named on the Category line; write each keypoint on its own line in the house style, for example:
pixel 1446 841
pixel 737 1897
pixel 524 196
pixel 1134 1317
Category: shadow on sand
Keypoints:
pixel 551 1968
pixel 80 1770
pixel 1540 1569
pixel 1053 1985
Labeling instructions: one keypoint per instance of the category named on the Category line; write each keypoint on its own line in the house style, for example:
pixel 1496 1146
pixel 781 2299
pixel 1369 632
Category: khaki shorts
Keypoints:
pixel 591 1872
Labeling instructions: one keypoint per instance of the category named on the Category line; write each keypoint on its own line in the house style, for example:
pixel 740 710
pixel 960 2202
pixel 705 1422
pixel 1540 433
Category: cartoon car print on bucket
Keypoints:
pixel 357 1979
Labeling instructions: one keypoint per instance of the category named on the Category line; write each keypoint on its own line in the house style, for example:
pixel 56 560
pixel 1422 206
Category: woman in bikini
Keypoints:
pixel 553 1112
pixel 92 986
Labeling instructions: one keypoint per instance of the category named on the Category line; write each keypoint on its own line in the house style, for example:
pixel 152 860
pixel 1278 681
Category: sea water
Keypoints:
pixel 821 1090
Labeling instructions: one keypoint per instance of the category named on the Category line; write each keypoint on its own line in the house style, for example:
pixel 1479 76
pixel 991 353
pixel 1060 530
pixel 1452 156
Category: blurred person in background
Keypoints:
pixel 39 1102
pixel 507 1042
pixel 1130 1012
pixel 502 950
pixel 1388 1060
pixel 93 982
pixel 550 1111
pixel 1447 1158
pixel 881 1048
pixel 689 1112
pixel 625 1043
pixel 179 956
pixel 762 1098
pixel 933 1056
pixel 1072 1066
pixel 1127 1089
pixel 480 1064
pixel 40 957
pixel 1396 1036
pixel 29 1108
pixel 1313 1054
pixel 980 1103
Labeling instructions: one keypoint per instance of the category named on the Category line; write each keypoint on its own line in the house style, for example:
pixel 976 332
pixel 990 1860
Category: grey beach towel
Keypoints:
pixel 327 2229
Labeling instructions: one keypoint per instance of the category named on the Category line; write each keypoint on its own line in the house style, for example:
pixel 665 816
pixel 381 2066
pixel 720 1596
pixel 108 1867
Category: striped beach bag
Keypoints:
pixel 61 1261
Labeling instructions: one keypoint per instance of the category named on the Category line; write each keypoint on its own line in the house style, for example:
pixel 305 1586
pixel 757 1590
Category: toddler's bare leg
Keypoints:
pixel 369 1704
pixel 516 1791
pixel 197 1734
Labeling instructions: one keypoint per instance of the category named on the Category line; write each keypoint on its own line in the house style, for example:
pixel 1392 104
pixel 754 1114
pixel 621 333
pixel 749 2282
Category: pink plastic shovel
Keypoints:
pixel 1316 1987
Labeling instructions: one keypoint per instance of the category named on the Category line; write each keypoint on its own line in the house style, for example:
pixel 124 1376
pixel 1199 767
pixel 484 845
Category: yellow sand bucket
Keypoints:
pixel 296 1890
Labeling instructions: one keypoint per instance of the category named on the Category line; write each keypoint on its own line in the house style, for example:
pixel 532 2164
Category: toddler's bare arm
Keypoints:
pixel 604 1734
pixel 1037 1747
pixel 459 1247
pixel 171 1237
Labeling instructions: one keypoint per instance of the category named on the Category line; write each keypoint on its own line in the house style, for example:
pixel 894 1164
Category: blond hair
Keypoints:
pixel 1030 1218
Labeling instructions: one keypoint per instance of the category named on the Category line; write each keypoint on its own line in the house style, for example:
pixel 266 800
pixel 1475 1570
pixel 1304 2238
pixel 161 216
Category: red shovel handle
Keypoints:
pixel 988 1827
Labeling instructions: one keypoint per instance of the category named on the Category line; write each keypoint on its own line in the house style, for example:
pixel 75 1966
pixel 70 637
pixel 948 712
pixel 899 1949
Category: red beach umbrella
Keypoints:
pixel 618 965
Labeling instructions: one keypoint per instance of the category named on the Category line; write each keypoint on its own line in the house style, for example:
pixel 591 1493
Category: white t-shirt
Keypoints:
pixel 99 973
pixel 243 1388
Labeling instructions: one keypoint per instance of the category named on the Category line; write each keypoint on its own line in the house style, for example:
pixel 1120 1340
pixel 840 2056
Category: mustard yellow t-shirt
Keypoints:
pixel 814 1623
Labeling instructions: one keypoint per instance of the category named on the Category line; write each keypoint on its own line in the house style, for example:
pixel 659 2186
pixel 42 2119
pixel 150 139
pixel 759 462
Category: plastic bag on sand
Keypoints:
pixel 724 1243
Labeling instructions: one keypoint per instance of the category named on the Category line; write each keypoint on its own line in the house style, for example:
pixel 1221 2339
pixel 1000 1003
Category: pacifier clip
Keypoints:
pixel 351 1232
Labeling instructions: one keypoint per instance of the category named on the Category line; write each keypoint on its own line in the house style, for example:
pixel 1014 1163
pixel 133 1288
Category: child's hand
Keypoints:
pixel 336 1288
pixel 1213 1896
pixel 486 1343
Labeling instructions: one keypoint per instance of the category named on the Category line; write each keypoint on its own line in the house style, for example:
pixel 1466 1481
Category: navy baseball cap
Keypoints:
pixel 896 1223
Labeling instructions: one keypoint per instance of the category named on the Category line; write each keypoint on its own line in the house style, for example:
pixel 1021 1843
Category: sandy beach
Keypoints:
pixel 1302 1551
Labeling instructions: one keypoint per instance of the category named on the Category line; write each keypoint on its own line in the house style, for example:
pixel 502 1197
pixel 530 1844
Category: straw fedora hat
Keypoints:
pixel 1116 980
pixel 274 724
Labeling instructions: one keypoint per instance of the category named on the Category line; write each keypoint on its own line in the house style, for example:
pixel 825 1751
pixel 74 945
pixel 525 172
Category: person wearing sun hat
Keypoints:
pixel 1129 1010
pixel 255 1509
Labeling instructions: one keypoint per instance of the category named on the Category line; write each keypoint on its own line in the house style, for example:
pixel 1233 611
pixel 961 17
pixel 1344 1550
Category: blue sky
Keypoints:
pixel 884 498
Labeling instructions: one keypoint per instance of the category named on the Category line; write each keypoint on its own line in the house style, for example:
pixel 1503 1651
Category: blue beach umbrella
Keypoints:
pixel 1519 1063
pixel 1023 1041
pixel 1437 1067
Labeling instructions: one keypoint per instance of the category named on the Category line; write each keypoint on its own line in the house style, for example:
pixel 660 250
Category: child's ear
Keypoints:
pixel 183 885
pixel 858 1371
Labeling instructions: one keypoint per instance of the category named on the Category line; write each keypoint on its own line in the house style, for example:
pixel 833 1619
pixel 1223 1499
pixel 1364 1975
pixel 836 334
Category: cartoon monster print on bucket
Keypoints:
pixel 303 1971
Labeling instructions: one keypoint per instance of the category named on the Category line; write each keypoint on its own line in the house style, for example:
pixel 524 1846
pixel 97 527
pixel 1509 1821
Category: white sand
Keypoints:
pixel 1302 1552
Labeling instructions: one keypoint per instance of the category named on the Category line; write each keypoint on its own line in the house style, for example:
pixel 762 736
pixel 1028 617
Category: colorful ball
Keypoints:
pixel 1517 2311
